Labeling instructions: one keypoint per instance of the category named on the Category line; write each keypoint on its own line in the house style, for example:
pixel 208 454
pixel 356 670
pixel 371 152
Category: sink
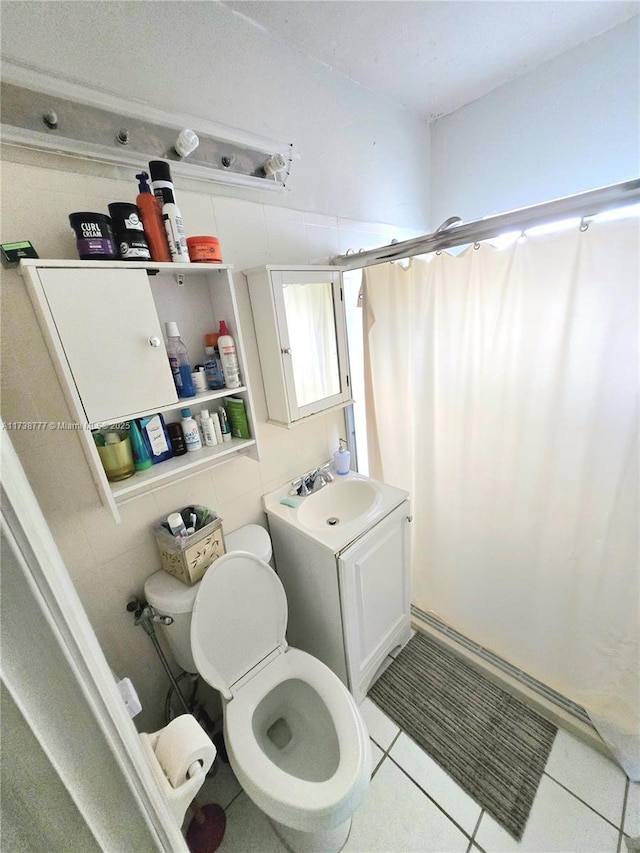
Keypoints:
pixel 336 514
pixel 340 502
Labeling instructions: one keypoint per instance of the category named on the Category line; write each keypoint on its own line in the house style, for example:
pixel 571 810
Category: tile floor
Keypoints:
pixel 585 804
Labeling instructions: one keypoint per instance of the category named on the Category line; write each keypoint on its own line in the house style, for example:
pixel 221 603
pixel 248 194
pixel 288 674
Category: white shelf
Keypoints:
pixel 182 403
pixel 175 468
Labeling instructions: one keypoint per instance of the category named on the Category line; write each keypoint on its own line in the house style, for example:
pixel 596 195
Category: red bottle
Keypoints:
pixel 151 216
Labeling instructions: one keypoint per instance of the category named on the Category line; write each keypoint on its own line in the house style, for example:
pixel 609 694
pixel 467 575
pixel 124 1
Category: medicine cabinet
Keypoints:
pixel 299 318
pixel 103 323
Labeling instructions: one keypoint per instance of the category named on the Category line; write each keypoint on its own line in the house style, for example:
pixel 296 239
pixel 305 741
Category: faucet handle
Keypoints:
pixel 301 487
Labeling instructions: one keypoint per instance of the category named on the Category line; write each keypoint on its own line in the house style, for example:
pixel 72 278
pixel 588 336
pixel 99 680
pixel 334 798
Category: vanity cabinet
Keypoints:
pixel 104 326
pixel 350 608
pixel 300 326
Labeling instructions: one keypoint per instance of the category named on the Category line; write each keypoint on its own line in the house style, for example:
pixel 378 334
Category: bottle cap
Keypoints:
pixel 172 329
pixel 204 413
pixel 223 328
pixel 160 171
pixel 186 413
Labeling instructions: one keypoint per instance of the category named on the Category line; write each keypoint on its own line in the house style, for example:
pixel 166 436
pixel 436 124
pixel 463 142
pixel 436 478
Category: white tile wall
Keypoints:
pixel 109 562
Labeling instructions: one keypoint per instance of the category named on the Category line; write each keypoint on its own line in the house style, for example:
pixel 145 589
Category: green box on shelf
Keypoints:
pixel 237 414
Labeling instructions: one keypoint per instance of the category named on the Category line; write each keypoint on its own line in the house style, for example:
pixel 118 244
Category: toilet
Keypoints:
pixel 295 738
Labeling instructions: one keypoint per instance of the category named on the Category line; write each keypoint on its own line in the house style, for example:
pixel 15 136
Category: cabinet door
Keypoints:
pixel 375 593
pixel 112 341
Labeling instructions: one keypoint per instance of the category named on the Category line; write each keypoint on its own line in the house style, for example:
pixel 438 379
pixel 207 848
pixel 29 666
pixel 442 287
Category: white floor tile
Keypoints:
pixel 588 774
pixel 438 784
pixel 381 728
pixel 632 813
pixel 376 755
pixel 396 817
pixel 248 830
pixel 558 823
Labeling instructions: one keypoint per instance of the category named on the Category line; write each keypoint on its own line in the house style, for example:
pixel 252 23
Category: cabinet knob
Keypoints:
pixel 154 342
pixel 286 351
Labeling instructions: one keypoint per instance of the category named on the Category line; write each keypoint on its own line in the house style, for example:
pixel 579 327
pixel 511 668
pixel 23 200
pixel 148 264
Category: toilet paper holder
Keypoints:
pixel 180 796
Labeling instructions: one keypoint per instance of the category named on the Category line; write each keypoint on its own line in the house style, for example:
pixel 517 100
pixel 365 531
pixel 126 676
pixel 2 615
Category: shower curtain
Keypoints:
pixel 502 393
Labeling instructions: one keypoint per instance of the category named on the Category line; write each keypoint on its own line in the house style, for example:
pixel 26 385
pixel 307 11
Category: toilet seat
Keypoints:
pixel 283 796
pixel 239 618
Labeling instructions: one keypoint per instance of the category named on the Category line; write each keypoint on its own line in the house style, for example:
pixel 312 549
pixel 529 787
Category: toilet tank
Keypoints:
pixel 170 597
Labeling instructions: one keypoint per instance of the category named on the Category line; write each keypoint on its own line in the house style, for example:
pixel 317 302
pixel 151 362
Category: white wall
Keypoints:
pixel 361 157
pixel 570 125
pixel 200 59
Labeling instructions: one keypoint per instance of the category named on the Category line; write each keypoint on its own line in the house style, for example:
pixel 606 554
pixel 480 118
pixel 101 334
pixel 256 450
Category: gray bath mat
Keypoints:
pixel 493 745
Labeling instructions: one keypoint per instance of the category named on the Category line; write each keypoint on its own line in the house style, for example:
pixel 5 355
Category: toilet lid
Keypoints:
pixel 239 617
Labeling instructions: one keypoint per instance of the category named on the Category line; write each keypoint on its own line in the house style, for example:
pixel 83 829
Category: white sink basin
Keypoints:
pixel 336 514
pixel 340 502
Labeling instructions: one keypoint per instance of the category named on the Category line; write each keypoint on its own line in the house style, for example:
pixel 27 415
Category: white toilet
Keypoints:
pixel 295 738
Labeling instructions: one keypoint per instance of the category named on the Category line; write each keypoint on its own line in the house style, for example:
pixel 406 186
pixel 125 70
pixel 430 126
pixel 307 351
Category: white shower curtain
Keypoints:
pixel 502 392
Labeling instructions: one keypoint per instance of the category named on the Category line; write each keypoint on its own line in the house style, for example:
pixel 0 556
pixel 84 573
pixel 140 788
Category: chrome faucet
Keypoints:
pixel 313 481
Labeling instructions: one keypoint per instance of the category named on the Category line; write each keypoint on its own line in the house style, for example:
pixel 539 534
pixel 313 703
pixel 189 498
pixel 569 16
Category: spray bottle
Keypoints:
pixel 172 219
pixel 151 215
pixel 228 358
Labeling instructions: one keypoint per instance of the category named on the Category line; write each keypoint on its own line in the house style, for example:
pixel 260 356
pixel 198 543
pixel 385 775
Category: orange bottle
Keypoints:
pixel 151 214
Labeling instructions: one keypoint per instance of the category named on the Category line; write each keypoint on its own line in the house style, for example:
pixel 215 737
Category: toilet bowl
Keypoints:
pixel 294 736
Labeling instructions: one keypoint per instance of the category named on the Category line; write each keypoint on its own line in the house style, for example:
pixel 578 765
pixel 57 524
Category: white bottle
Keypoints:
pixel 208 430
pixel 172 219
pixel 228 358
pixel 190 431
pixel 216 427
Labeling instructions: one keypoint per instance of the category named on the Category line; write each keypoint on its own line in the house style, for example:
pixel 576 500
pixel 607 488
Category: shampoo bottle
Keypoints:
pixel 190 431
pixel 228 358
pixel 151 215
pixel 172 219
pixel 141 457
pixel 225 429
pixel 179 361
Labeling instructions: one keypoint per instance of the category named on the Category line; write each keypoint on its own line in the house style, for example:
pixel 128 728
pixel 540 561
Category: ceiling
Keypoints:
pixel 433 56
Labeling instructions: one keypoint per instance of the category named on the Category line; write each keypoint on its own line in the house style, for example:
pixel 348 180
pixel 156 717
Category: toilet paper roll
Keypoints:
pixel 179 745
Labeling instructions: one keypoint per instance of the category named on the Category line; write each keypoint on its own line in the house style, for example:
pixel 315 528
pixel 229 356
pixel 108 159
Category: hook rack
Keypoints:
pixel 38 120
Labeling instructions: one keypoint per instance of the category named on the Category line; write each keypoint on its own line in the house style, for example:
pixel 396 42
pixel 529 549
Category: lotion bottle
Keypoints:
pixel 208 431
pixel 190 431
pixel 172 219
pixel 228 358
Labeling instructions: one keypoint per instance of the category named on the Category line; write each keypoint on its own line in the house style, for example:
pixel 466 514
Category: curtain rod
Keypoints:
pixel 454 232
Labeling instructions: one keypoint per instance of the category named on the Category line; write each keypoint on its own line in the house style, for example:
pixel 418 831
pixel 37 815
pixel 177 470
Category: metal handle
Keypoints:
pixel 154 342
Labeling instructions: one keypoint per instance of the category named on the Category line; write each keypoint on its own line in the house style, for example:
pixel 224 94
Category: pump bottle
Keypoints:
pixel 151 215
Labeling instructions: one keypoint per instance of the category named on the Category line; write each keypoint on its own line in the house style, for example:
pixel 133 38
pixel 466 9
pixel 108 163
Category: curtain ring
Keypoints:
pixel 349 252
pixel 476 246
pixel 584 226
pixel 438 251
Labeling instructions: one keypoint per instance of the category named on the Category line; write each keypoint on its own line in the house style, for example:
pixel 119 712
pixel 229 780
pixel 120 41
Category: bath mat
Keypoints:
pixel 492 744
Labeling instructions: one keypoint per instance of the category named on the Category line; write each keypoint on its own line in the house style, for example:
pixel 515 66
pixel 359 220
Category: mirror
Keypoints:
pixel 312 339
pixel 301 332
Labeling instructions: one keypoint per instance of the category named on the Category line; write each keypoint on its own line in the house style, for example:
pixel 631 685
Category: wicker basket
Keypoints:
pixel 188 559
